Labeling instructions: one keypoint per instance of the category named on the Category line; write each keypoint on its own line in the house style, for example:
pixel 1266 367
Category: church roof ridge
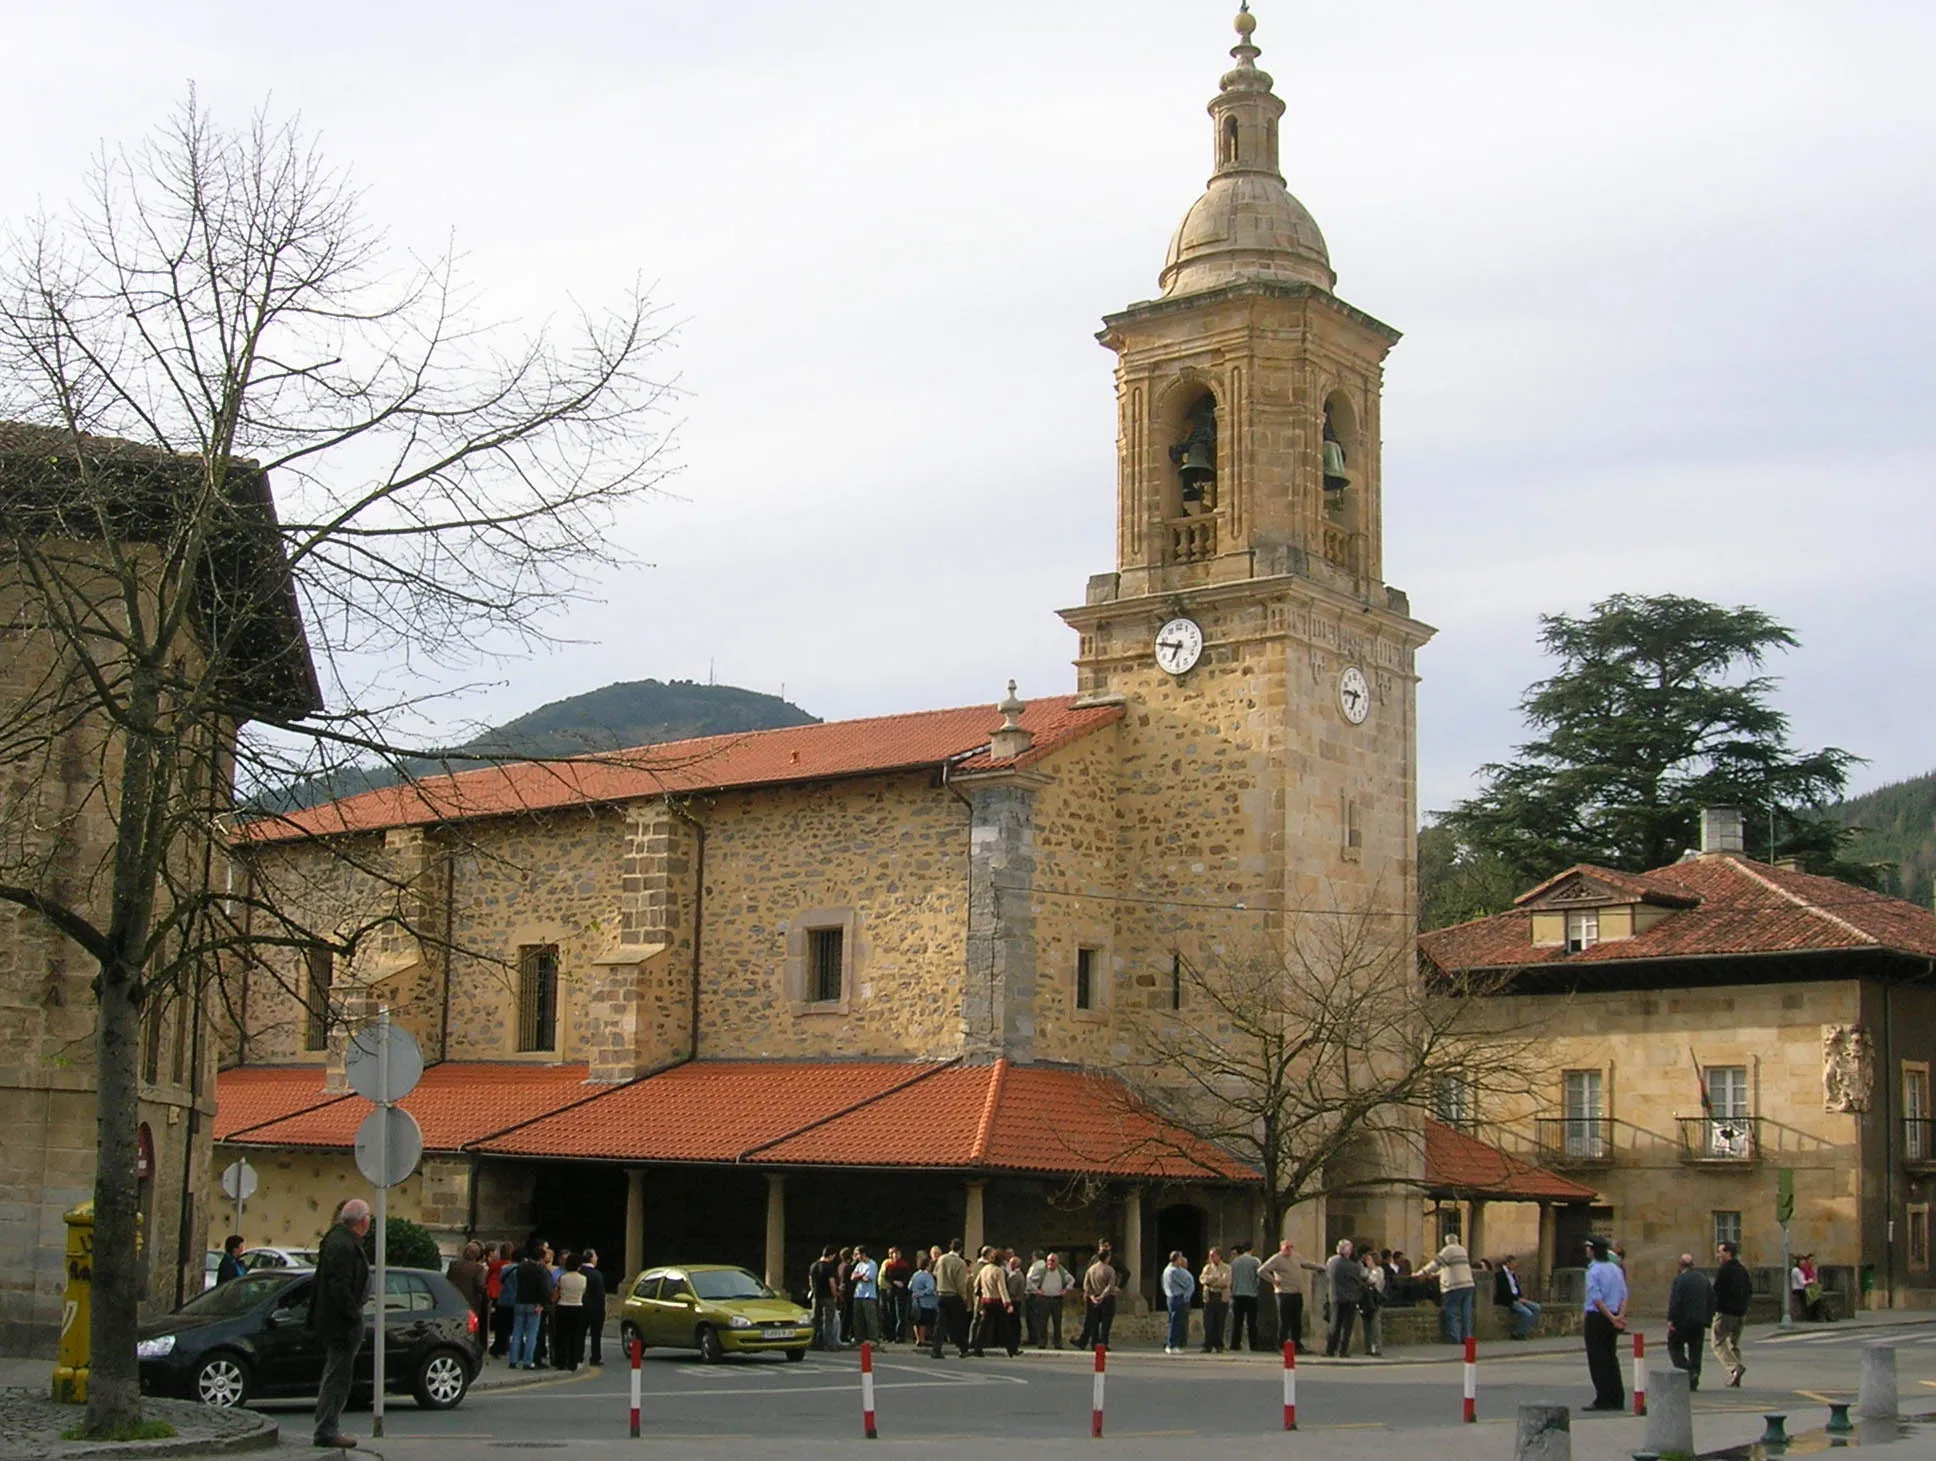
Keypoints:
pixel 828 750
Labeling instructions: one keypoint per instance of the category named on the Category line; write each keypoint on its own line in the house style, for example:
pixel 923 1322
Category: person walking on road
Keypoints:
pixel 1215 1279
pixel 1507 1295
pixel 1345 1279
pixel 997 1308
pixel 1178 1288
pixel 1733 1288
pixel 1244 1285
pixel 1606 1320
pixel 1099 1286
pixel 952 1295
pixel 1690 1309
pixel 1456 1290
pixel 336 1316
pixel 1286 1271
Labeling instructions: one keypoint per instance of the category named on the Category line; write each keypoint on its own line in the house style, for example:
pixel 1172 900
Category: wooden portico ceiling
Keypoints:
pixel 933 1115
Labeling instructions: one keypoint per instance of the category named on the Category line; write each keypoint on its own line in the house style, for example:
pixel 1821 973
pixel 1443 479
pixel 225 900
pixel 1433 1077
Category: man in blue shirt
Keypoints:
pixel 1606 1318
pixel 867 1297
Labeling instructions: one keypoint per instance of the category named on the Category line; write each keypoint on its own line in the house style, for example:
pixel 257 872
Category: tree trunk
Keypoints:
pixel 114 1382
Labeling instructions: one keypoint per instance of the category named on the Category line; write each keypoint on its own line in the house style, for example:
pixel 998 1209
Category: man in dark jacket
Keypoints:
pixel 1345 1276
pixel 1733 1288
pixel 1507 1295
pixel 336 1315
pixel 594 1308
pixel 230 1267
pixel 1690 1309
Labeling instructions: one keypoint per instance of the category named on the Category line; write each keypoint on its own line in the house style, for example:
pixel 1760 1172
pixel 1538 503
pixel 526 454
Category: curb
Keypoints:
pixel 260 1437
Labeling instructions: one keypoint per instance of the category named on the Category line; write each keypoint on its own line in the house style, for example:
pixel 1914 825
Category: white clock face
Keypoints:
pixel 1179 645
pixel 1354 695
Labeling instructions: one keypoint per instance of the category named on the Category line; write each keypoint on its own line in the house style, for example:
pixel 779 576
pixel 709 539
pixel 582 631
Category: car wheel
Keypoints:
pixel 627 1334
pixel 442 1379
pixel 794 1356
pixel 222 1380
pixel 710 1349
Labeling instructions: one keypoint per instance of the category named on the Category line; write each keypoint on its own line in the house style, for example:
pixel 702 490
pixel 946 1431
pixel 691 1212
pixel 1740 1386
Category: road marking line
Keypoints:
pixel 1820 1399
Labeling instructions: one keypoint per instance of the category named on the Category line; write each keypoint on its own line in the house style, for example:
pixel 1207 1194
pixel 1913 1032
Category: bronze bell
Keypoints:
pixel 1196 467
pixel 1336 478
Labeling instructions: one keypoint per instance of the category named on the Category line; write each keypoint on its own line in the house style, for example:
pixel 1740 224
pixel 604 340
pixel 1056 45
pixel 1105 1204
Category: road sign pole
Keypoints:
pixel 1787 1283
pixel 382 1222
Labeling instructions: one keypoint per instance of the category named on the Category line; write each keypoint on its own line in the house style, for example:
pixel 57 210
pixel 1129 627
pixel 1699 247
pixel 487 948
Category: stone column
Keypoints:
pixel 776 1231
pixel 1545 1434
pixel 971 1225
pixel 1133 1250
pixel 1549 1236
pixel 634 1222
pixel 1877 1398
pixel 1475 1229
pixel 1670 1412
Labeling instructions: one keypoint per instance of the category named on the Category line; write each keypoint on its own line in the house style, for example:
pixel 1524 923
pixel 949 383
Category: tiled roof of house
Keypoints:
pixel 803 753
pixel 1462 1166
pixel 1740 907
pixel 942 1115
pixel 456 1103
pixel 251 1095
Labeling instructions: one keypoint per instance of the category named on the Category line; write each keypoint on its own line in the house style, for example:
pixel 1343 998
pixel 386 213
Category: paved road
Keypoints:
pixel 756 1402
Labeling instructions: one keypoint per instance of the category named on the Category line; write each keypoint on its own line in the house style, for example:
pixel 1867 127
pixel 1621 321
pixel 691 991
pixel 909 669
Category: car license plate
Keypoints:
pixel 785 1332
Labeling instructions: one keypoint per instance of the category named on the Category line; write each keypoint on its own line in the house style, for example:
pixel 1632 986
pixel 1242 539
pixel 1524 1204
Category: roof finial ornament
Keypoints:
pixel 1012 738
pixel 1245 53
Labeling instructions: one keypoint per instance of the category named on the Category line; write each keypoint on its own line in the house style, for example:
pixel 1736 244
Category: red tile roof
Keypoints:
pixel 1739 907
pixel 804 753
pixel 251 1095
pixel 1458 1165
pixel 933 1114
pixel 456 1103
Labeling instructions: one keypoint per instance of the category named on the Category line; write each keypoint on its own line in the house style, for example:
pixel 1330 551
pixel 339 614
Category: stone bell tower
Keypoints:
pixel 1270 748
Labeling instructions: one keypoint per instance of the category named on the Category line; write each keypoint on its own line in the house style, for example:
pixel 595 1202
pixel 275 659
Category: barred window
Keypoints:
pixel 538 997
pixel 826 948
pixel 320 966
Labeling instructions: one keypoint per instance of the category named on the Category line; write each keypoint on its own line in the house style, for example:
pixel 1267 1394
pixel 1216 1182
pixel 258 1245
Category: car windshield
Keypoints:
pixel 237 1296
pixel 729 1283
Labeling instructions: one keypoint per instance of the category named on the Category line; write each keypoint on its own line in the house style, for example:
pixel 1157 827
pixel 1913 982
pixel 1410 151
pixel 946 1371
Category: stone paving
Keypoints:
pixel 31 1425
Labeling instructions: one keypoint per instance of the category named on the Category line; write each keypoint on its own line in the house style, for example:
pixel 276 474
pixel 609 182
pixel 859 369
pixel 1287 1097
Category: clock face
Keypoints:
pixel 1179 645
pixel 1354 695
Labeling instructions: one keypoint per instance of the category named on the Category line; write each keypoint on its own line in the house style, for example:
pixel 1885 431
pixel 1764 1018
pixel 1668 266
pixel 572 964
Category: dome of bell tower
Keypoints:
pixel 1247 224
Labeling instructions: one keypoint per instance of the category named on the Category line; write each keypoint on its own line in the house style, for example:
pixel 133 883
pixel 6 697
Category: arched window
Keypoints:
pixel 1229 140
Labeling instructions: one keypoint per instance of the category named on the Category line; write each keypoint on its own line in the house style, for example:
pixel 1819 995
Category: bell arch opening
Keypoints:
pixel 1189 429
pixel 1341 471
pixel 1227 152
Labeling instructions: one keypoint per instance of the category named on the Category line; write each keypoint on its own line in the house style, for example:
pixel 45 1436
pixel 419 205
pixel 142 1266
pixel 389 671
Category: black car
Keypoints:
pixel 249 1339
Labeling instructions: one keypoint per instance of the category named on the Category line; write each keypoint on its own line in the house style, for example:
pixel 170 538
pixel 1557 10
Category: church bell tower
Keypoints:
pixel 1270 744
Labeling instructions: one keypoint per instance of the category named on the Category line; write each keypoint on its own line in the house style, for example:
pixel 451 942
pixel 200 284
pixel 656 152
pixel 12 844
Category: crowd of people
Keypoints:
pixel 542 1309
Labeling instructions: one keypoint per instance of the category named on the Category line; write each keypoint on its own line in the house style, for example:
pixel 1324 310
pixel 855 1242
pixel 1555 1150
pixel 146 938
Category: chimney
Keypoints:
pixel 1720 831
pixel 1010 740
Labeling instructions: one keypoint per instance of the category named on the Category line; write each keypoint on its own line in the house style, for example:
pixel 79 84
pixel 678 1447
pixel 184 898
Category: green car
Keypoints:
pixel 714 1308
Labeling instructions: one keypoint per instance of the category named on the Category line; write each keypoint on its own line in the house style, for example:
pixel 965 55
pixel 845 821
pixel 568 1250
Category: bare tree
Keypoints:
pixel 216 316
pixel 1314 1057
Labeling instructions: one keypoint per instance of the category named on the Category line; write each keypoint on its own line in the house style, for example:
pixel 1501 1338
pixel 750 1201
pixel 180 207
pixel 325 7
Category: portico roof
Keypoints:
pixel 1461 1166
pixel 939 1115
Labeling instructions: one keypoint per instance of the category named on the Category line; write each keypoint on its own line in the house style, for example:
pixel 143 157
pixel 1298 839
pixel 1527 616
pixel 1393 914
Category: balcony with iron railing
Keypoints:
pixel 1573 1141
pixel 1719 1140
pixel 1919 1143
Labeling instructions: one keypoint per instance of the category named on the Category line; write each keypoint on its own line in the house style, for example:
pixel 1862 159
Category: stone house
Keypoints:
pixel 59 756
pixel 1712 1024
pixel 895 966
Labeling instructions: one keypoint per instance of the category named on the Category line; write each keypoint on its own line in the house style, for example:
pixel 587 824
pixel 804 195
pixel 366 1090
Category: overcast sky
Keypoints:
pixel 1664 273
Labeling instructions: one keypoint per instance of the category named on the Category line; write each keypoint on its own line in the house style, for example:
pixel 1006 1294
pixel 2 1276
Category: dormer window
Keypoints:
pixel 1582 929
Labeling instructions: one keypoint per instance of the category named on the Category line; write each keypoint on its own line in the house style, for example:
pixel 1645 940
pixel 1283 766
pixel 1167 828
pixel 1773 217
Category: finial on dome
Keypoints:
pixel 1245 23
pixel 1011 709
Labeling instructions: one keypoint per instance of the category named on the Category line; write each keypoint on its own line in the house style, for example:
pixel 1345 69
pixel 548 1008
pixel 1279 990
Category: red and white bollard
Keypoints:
pixel 1095 1398
pixel 1471 1379
pixel 637 1348
pixel 867 1389
pixel 1290 1386
pixel 1640 1373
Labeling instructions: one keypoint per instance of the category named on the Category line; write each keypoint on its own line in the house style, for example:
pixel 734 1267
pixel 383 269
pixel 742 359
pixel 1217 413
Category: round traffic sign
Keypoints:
pixel 238 1181
pixel 363 1057
pixel 401 1153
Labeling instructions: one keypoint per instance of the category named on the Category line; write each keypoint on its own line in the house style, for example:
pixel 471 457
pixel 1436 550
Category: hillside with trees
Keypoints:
pixel 1894 827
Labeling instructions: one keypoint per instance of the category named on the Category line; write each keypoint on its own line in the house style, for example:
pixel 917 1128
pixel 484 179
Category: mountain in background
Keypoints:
pixel 631 713
pixel 1896 827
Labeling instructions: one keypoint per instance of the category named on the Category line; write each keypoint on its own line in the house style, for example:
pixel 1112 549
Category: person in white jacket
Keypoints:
pixel 1454 1268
